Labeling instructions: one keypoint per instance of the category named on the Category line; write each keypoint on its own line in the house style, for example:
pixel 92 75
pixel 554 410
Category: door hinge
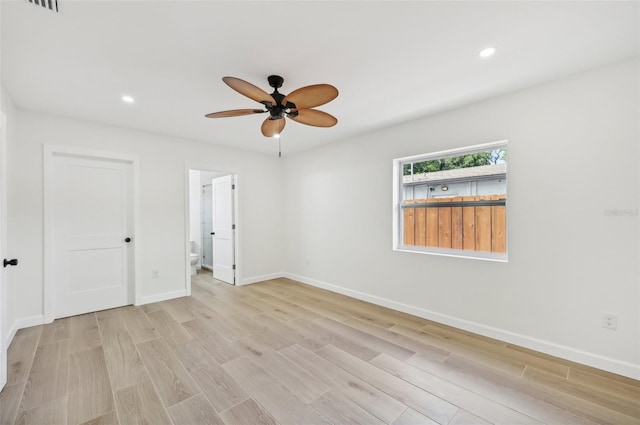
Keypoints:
pixel 234 267
pixel 233 186
pixel 233 227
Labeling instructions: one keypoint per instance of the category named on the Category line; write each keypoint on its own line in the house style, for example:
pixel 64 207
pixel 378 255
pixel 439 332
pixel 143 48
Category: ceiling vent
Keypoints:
pixel 48 4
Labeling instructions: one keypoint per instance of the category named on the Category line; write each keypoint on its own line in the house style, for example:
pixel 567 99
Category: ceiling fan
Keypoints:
pixel 297 105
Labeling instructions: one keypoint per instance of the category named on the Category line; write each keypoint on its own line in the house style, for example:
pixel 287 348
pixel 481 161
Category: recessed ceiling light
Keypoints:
pixel 487 52
pixel 127 99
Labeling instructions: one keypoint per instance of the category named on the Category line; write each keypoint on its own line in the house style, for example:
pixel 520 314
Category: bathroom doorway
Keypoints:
pixel 212 225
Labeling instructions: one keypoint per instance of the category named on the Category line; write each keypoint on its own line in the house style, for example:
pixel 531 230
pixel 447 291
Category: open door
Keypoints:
pixel 223 229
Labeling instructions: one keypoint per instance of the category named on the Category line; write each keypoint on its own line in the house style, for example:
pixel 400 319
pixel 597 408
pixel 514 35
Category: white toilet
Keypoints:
pixel 195 257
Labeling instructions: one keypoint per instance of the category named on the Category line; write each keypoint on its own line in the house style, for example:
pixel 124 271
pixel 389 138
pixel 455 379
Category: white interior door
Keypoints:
pixel 3 238
pixel 223 229
pixel 92 231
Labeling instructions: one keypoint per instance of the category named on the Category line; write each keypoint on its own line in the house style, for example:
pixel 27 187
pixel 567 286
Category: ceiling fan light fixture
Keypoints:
pixel 297 105
pixel 487 52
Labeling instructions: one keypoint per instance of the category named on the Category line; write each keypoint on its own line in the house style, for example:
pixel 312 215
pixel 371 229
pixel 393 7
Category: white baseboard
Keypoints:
pixel 162 297
pixel 262 278
pixel 590 359
pixel 10 335
pixel 26 322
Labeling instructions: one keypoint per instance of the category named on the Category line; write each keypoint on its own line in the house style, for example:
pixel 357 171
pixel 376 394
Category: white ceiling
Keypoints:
pixel 392 61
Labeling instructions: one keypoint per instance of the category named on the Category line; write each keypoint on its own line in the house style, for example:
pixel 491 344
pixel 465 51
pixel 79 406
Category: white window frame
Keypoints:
pixel 398 216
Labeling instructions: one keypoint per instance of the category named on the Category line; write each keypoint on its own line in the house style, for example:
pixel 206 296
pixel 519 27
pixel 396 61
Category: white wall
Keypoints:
pixel 162 202
pixel 573 152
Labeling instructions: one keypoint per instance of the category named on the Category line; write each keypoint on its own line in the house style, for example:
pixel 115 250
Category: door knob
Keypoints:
pixel 127 240
pixel 12 262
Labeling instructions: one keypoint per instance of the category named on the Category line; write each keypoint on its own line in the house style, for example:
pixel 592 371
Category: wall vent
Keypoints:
pixel 48 4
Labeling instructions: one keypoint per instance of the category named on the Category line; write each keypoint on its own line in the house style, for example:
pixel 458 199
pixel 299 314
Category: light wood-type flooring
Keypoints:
pixel 280 352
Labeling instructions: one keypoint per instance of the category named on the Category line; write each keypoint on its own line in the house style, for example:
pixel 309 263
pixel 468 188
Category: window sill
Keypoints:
pixel 473 255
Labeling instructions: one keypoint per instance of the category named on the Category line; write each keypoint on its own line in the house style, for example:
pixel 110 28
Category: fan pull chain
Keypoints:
pixel 280 147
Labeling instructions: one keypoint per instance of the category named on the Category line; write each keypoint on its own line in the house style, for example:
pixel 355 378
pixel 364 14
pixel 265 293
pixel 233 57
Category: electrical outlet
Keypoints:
pixel 610 321
pixel 155 274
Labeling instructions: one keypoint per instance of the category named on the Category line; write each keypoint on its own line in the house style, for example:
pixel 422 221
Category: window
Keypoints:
pixel 453 202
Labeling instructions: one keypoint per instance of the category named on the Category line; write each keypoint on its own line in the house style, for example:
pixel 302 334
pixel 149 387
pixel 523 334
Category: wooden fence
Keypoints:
pixel 473 228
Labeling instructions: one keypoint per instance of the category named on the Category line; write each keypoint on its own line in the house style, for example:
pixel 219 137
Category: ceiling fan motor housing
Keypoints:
pixel 277 111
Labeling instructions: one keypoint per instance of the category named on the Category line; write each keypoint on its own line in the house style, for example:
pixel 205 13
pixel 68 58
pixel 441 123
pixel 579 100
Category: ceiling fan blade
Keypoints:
pixel 272 127
pixel 311 96
pixel 315 118
pixel 234 113
pixel 249 90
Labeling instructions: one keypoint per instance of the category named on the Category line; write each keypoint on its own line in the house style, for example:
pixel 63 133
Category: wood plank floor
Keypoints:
pixel 280 352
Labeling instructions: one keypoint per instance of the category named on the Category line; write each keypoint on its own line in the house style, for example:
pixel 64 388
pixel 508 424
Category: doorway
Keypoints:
pixel 212 245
